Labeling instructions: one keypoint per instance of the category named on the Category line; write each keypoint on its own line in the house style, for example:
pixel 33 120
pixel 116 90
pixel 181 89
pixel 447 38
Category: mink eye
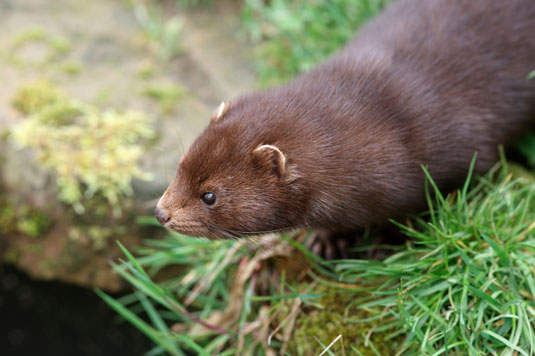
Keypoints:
pixel 208 198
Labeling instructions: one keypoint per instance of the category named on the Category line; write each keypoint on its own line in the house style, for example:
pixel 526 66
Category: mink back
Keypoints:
pixel 426 83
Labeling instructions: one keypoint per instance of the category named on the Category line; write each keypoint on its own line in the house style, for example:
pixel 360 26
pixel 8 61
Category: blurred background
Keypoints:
pixel 98 101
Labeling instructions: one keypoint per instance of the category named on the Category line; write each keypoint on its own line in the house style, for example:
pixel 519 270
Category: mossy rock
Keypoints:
pixel 25 220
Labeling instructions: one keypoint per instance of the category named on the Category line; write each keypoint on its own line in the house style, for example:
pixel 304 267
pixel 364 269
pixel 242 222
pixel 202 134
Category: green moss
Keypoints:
pixel 146 70
pixel 10 256
pixel 33 34
pixel 94 153
pixel 163 33
pixel 48 266
pixel 167 95
pixel 60 45
pixel 55 46
pixel 104 96
pixel 32 222
pixel 4 134
pixel 71 67
pixel 95 235
pixel 34 249
pixel 32 98
pixel 321 322
pixel 23 220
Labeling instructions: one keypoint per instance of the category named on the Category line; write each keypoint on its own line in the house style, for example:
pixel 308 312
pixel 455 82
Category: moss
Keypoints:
pixel 55 46
pixel 103 96
pixel 59 45
pixel 4 134
pixel 34 249
pixel 32 222
pixel 95 236
pixel 48 266
pixel 33 34
pixel 23 220
pixel 321 322
pixel 146 70
pixel 167 95
pixel 10 256
pixel 71 67
pixel 31 99
pixel 94 153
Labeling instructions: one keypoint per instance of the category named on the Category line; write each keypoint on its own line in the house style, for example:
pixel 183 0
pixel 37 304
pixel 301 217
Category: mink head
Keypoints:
pixel 232 182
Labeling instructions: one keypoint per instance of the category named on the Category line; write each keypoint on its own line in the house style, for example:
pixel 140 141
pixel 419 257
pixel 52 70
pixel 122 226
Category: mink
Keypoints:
pixel 425 83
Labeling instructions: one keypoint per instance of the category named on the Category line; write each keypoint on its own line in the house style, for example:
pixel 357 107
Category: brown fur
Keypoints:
pixel 425 83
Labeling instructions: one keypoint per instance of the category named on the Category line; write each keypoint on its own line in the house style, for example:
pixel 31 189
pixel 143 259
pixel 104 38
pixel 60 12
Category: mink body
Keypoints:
pixel 426 83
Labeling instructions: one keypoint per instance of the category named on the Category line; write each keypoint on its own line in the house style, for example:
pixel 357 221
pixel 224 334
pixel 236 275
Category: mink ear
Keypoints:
pixel 272 158
pixel 222 109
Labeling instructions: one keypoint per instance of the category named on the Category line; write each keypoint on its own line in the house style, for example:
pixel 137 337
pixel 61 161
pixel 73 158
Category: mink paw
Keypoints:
pixel 328 245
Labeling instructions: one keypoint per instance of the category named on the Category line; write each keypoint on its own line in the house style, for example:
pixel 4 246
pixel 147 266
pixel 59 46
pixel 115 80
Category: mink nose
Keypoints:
pixel 161 216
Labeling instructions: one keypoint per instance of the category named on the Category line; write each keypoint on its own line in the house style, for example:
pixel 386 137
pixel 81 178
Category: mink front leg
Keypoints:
pixel 329 244
pixel 332 245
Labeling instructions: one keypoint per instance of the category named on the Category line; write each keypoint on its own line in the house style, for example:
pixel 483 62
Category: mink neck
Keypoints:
pixel 343 136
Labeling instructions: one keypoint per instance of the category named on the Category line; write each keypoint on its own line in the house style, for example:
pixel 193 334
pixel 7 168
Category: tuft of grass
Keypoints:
pixel 163 34
pixel 294 36
pixel 186 312
pixel 33 98
pixel 146 70
pixel 463 285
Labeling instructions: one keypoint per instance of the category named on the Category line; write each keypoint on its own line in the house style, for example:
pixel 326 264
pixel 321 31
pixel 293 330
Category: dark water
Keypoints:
pixel 51 318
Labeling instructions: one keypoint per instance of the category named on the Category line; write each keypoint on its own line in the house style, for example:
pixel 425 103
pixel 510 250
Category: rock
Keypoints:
pixel 95 51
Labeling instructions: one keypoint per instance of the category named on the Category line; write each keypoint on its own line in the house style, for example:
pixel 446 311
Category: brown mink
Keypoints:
pixel 426 83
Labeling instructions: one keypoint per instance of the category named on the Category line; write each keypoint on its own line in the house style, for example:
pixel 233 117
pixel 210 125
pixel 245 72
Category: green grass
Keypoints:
pixel 463 285
pixel 294 36
pixel 163 33
pixel 290 36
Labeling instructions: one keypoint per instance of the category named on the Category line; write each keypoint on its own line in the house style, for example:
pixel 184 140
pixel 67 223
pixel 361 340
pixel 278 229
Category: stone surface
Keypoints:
pixel 103 64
